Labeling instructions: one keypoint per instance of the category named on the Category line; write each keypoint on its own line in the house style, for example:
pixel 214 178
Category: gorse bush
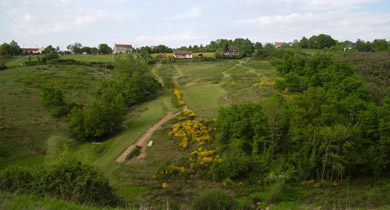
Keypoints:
pixel 65 178
pixel 213 199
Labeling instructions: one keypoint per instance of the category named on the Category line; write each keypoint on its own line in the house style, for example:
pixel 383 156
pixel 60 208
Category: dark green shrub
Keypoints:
pixel 53 98
pixel 280 84
pixel 52 56
pixel 52 95
pixel 213 199
pixel 101 118
pixel 65 178
pixel 134 153
pixel 236 165
pixel 59 111
pixel 3 67
pixel 17 179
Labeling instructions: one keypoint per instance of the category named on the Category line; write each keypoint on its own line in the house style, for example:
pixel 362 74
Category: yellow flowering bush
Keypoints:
pixel 178 170
pixel 266 83
pixel 190 129
pixel 177 93
pixel 189 114
pixel 203 158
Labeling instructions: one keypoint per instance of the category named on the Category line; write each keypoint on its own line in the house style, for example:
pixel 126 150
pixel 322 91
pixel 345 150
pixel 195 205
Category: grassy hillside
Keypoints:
pixel 34 136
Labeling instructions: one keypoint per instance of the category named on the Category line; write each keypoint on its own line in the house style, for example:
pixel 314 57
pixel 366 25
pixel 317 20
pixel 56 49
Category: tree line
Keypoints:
pixel 329 129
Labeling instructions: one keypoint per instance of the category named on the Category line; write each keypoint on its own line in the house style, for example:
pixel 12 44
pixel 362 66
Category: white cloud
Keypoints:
pixel 191 13
pixel 306 5
pixel 90 17
pixel 190 35
pixel 341 25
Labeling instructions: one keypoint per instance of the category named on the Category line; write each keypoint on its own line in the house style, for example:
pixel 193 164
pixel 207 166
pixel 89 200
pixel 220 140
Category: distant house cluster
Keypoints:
pixel 33 50
pixel 122 49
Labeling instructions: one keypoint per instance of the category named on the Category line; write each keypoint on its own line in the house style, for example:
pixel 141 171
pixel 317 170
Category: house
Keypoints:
pixel 182 54
pixel 349 46
pixel 122 48
pixel 279 44
pixel 33 50
pixel 231 51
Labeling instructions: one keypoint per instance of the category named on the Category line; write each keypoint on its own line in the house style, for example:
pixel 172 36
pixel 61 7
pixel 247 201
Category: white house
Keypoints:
pixel 182 54
pixel 122 48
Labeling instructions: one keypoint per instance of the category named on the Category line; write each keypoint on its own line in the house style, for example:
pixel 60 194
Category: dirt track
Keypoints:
pixel 143 140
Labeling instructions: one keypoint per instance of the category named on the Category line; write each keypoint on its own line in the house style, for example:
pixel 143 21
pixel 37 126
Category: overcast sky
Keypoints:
pixel 188 22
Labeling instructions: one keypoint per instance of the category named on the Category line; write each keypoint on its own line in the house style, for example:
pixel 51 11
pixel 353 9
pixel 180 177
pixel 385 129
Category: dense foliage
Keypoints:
pixel 317 42
pixel 135 81
pixel 65 178
pixel 375 70
pixel 330 129
pixel 102 117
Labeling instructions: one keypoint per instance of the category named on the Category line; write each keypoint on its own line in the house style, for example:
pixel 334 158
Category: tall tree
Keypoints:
pixel 104 49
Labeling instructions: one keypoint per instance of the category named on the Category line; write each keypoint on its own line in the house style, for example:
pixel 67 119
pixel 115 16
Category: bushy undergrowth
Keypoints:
pixel 66 178
pixel 134 153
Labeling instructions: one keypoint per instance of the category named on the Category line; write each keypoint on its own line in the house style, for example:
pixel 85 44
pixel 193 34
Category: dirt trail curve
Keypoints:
pixel 143 140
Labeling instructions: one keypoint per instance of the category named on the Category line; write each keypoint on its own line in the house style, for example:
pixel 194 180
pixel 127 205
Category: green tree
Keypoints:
pixel 104 49
pixel 303 43
pixel 49 49
pixel 380 45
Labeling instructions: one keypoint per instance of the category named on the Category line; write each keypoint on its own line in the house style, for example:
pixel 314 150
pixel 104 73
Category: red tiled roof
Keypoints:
pixel 279 44
pixel 124 45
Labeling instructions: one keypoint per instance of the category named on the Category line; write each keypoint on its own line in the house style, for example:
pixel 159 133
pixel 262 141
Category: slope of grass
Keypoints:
pixel 203 98
pixel 11 201
pixel 30 123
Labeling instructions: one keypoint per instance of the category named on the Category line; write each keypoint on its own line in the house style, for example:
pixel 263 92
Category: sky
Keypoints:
pixel 38 23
